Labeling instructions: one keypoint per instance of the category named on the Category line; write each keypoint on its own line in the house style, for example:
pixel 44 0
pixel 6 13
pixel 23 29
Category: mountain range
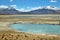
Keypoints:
pixel 43 10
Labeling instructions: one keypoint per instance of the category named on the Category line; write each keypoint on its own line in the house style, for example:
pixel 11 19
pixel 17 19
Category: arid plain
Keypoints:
pixel 7 33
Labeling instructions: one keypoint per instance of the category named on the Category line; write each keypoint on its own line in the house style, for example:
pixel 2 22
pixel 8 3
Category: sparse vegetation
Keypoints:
pixel 11 35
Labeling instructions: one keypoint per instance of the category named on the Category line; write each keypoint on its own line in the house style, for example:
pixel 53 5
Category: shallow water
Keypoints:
pixel 37 28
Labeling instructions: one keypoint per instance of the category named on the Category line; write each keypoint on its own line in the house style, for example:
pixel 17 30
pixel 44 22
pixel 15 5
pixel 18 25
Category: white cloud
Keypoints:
pixel 52 7
pixel 22 9
pixel 29 9
pixel 11 0
pixel 13 6
pixel 3 6
pixel 53 1
pixel 36 8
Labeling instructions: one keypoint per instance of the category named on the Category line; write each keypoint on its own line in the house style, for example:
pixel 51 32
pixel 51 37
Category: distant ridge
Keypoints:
pixel 44 10
pixel 9 10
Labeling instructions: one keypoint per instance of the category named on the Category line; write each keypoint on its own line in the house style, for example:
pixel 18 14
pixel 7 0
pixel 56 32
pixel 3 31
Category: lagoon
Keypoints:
pixel 37 28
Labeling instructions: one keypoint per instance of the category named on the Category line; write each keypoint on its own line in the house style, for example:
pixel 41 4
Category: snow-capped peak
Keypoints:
pixel 51 7
pixel 10 8
pixel 6 7
pixel 3 7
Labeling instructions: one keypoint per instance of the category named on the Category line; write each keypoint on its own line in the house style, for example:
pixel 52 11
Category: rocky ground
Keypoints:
pixel 11 35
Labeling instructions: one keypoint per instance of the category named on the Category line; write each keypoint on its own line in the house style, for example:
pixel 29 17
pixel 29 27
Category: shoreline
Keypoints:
pixel 7 25
pixel 33 33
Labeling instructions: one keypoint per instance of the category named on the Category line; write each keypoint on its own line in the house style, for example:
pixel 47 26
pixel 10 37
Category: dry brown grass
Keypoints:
pixel 11 35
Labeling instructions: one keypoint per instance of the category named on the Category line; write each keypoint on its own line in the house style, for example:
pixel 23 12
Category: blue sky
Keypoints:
pixel 29 4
